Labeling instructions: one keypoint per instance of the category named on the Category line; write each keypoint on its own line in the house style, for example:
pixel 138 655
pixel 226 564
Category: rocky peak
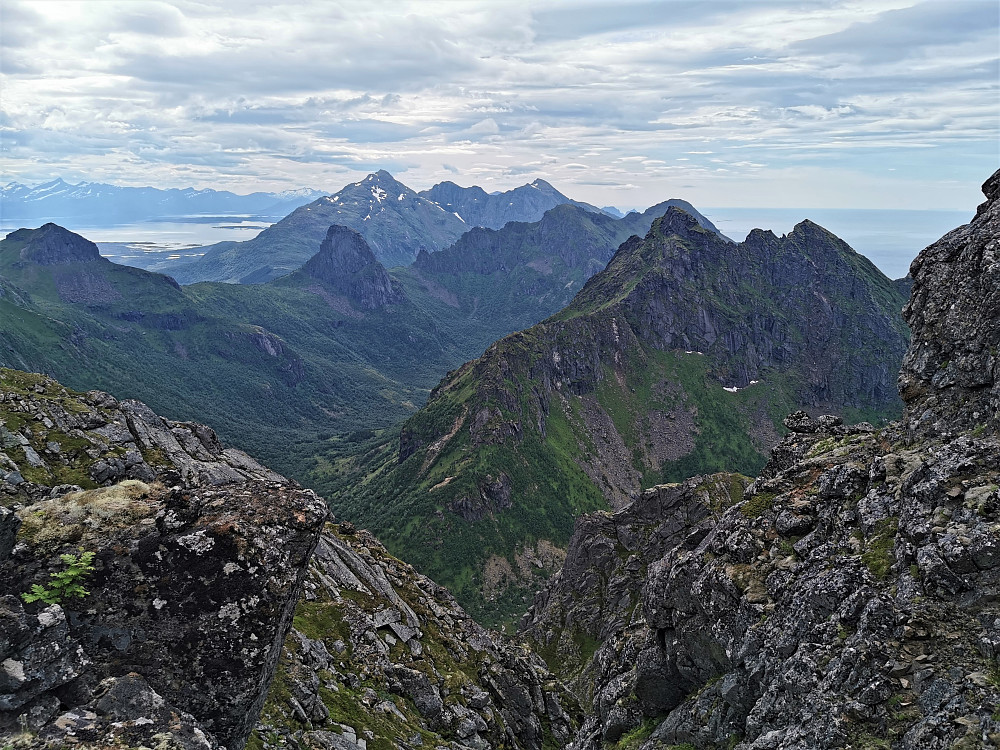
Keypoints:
pixel 950 379
pixel 51 245
pixel 677 221
pixel 346 263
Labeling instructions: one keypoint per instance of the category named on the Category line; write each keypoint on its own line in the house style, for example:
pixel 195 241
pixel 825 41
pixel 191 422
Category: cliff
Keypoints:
pixel 165 569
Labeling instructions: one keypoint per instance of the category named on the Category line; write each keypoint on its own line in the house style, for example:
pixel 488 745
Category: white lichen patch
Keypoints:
pixel 196 542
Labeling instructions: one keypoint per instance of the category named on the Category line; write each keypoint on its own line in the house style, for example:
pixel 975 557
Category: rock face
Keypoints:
pixel 190 558
pixel 849 599
pixel 595 598
pixel 346 264
pixel 381 656
pixel 951 375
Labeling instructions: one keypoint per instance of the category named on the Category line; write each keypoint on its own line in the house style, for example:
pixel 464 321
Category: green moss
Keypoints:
pixel 878 548
pixel 758 504
pixel 320 621
pixel 634 738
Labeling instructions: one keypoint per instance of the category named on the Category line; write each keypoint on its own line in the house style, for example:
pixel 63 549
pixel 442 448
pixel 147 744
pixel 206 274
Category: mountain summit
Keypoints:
pixel 51 245
pixel 480 209
pixel 346 263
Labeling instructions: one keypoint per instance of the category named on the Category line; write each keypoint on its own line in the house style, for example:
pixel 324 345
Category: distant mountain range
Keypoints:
pixel 99 203
pixel 396 221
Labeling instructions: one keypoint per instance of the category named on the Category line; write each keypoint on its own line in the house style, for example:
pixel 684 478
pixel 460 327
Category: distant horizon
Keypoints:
pixel 620 207
pixel 889 238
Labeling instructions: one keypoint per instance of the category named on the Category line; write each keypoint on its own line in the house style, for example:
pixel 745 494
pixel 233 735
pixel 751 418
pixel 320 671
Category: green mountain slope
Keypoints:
pixel 274 365
pixel 679 358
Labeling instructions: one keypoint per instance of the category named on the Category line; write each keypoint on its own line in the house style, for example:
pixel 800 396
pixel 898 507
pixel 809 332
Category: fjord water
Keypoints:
pixel 889 238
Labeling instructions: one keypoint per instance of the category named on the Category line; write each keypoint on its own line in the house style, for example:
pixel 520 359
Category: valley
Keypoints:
pixel 225 607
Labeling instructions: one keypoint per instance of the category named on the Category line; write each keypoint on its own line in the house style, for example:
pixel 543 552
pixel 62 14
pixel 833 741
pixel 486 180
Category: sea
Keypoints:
pixel 147 243
pixel 891 239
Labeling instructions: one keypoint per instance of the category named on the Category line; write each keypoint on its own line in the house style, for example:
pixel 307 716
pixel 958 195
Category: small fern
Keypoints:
pixel 65 584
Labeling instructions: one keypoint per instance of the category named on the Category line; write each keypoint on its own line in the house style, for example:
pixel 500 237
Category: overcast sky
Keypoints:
pixel 812 103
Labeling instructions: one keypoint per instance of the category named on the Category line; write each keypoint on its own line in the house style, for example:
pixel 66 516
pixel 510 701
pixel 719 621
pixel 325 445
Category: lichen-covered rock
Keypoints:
pixel 52 437
pixel 950 379
pixel 386 657
pixel 148 610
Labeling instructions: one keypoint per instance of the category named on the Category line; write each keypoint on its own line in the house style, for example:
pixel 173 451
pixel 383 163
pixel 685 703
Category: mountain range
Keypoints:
pixel 281 366
pixel 396 221
pixel 98 203
pixel 161 589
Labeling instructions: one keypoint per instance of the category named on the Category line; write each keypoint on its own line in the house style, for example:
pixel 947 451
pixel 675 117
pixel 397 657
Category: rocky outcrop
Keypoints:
pixel 951 374
pixel 382 656
pixel 595 597
pixel 851 596
pixel 54 437
pixel 347 265
pixel 152 576
pixel 850 599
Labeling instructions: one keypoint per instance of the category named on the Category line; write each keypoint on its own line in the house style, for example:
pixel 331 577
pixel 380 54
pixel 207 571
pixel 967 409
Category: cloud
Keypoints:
pixel 590 94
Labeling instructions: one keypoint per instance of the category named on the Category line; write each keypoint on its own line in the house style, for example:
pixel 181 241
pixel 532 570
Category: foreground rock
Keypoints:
pixel 382 657
pixel 850 599
pixel 188 560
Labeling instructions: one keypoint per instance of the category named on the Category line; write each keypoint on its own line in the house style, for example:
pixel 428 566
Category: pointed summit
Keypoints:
pixel 347 265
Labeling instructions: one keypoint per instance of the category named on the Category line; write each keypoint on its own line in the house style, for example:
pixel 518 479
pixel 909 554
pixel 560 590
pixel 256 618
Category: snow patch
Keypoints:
pixel 735 389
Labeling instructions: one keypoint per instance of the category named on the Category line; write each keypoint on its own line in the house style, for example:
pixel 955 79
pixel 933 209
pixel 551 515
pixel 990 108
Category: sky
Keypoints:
pixel 815 103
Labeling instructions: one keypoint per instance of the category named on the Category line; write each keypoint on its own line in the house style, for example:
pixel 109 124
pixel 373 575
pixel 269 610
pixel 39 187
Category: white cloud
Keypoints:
pixel 589 94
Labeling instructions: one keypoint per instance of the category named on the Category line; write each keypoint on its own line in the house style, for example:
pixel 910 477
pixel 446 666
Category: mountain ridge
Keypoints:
pixel 677 359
